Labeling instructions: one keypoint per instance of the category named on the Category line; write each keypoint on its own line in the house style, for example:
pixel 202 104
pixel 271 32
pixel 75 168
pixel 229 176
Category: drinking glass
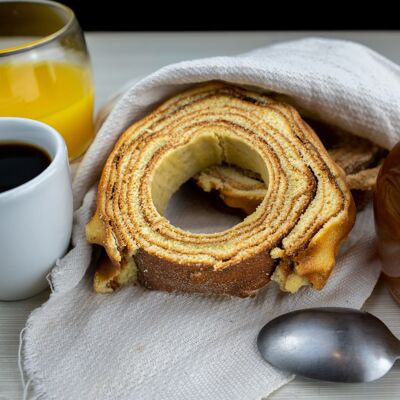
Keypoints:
pixel 45 71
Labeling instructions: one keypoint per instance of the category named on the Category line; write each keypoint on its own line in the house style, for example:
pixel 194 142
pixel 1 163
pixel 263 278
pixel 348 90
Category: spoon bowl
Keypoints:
pixel 331 344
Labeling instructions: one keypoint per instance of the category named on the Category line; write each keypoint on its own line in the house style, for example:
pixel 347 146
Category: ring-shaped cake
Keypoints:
pixel 293 235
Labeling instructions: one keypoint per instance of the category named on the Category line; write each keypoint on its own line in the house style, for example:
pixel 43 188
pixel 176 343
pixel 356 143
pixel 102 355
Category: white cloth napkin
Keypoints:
pixel 140 344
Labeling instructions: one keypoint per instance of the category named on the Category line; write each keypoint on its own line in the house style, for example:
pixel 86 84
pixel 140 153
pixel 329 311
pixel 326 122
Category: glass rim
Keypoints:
pixel 45 39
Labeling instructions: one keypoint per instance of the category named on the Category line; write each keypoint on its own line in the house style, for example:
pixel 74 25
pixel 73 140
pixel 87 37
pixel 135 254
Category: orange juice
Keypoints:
pixel 56 93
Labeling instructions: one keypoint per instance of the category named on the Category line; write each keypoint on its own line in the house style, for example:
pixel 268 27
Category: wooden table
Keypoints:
pixel 118 57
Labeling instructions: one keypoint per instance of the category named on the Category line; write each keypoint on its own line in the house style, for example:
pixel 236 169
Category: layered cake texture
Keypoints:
pixel 359 159
pixel 292 236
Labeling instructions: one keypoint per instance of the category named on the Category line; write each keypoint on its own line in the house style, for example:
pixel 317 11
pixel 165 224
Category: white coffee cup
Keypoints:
pixel 35 217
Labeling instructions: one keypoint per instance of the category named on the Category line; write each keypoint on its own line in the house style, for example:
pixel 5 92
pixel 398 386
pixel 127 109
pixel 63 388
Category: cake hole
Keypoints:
pixel 196 211
pixel 185 205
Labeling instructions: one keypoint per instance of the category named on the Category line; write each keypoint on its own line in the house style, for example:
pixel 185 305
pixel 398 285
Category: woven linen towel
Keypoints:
pixel 141 344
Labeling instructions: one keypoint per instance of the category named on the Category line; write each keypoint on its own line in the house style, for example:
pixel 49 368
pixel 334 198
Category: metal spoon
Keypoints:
pixel 331 344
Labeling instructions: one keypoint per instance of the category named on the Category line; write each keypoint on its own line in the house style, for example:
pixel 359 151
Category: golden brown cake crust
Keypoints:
pixel 308 210
pixel 241 279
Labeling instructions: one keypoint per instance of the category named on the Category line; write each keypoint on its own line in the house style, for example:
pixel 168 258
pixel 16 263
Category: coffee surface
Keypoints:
pixel 19 163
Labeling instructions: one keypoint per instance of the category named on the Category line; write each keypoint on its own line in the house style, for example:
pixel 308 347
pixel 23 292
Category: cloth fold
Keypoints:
pixel 139 344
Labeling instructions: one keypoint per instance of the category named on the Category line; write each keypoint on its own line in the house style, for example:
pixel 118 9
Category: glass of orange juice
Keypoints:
pixel 45 71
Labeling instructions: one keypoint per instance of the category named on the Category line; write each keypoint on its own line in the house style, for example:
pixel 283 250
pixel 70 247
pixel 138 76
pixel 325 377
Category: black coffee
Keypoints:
pixel 19 163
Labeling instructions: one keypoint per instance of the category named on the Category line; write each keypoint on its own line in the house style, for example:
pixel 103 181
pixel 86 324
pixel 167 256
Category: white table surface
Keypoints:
pixel 118 57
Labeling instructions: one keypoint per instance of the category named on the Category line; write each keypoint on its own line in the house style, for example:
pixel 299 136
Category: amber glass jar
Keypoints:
pixel 387 219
